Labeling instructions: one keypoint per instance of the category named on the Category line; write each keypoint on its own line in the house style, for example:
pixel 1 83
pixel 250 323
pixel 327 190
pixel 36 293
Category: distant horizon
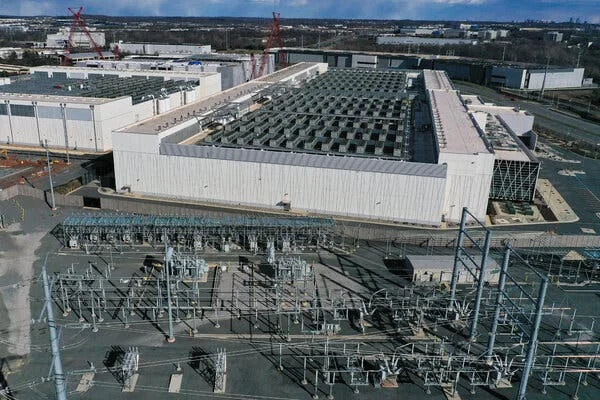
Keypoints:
pixel 87 15
pixel 386 10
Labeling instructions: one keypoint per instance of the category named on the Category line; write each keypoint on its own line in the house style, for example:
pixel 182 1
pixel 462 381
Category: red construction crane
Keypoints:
pixel 117 52
pixel 253 65
pixel 274 35
pixel 79 22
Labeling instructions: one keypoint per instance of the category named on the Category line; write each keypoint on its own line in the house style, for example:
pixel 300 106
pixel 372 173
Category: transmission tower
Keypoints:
pixel 59 377
pixel 220 371
pixel 129 369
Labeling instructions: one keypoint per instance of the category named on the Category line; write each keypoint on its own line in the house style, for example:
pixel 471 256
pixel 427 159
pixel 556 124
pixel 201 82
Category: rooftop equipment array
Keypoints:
pixel 100 86
pixel 343 112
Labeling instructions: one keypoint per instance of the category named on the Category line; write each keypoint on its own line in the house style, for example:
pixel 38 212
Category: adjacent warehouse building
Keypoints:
pixel 78 108
pixel 429 41
pixel 235 69
pixel 78 39
pixel 339 142
pixel 534 79
pixel 508 130
pixel 159 48
pixel 468 69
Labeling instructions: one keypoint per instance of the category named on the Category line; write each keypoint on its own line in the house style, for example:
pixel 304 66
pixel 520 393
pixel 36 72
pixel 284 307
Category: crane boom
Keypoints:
pixel 79 22
pixel 274 35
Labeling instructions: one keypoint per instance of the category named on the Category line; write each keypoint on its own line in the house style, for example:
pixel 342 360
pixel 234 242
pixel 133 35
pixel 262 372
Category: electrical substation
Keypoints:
pixel 204 304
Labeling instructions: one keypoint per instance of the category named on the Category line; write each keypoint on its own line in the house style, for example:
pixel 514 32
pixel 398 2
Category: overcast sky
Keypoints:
pixel 499 10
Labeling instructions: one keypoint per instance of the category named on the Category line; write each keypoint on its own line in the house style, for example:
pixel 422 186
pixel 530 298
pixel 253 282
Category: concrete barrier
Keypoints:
pixel 28 191
pixel 363 231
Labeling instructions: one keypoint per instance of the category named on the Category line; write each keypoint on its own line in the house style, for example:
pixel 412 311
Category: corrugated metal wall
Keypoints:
pixel 392 197
pixel 469 180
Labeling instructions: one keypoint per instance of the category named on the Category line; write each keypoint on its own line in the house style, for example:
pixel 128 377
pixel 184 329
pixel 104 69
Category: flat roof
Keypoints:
pixel 472 100
pixel 194 74
pixel 172 118
pixel 218 57
pixel 452 125
pixel 91 54
pixel 286 73
pixel 441 262
pixel 155 125
pixel 352 163
pixel 55 99
pixel 502 141
pixel 437 80
pixel 372 53
pixel 491 120
pixel 97 86
pixel 343 111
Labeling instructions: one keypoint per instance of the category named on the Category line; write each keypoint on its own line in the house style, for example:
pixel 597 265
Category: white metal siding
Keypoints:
pixel 556 79
pixel 405 198
pixel 209 85
pixel 468 183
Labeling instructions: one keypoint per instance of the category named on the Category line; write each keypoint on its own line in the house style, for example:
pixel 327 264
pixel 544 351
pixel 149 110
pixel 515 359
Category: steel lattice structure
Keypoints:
pixel 474 334
pixel 514 180
pixel 195 232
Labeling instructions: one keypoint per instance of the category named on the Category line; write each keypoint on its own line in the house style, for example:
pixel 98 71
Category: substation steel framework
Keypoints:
pixel 485 334
pixel 195 233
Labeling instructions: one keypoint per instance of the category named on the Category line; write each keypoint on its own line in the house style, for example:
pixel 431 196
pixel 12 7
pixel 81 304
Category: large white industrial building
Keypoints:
pixel 379 145
pixel 536 79
pixel 416 40
pixel 235 69
pixel 78 108
pixel 160 48
pixel 79 38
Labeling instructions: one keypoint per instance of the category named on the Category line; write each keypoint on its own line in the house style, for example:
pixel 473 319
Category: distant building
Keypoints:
pixel 409 40
pixel 158 48
pixel 533 79
pixel 487 35
pixel 553 36
pixel 235 69
pixel 420 31
pixel 79 39
pixel 472 70
pixel 14 28
pixel 364 61
pixel 7 51
pixel 491 34
pixel 455 33
pixel 78 57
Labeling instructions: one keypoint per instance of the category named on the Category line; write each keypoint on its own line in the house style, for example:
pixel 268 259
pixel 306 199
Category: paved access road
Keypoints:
pixel 575 127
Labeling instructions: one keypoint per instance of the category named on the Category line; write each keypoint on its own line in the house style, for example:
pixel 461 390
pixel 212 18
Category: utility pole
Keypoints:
pixel 544 81
pixel 53 204
pixel 168 257
pixel 94 126
pixel 59 377
pixel 9 113
pixel 63 109
pixel 37 120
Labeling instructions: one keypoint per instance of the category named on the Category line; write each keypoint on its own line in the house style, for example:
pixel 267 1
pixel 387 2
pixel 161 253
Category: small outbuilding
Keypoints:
pixel 438 269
